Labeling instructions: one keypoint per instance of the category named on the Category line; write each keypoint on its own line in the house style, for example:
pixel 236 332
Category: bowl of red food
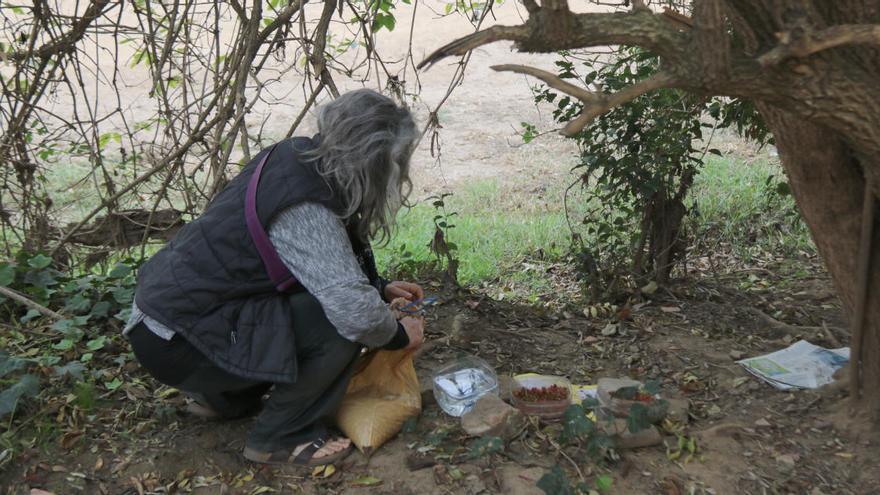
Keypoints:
pixel 544 396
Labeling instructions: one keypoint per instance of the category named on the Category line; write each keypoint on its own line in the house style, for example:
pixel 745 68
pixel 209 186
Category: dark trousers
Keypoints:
pixel 294 413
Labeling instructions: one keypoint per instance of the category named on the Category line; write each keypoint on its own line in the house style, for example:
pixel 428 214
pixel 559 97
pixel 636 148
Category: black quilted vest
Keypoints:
pixel 210 285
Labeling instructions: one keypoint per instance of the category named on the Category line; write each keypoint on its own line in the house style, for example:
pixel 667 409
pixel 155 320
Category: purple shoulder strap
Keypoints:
pixel 275 268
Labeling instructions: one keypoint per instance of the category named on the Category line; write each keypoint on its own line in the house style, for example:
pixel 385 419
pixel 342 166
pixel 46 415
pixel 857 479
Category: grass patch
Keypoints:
pixel 497 228
pixel 746 206
pixel 506 234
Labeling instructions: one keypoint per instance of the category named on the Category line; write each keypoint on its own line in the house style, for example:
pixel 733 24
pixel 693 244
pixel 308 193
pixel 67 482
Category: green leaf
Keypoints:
pixel 40 261
pixel 64 326
pixel 120 270
pixel 100 310
pixel 123 295
pixel 384 20
pixel 7 274
pixel 366 481
pixel 604 483
pixel 556 483
pixel 74 369
pixel 96 344
pixel 27 386
pixel 30 315
pixel 64 345
pixel 9 364
pixel 78 304
pixel 576 425
pixel 113 385
pixel 485 446
pixel 637 420
pixel 409 426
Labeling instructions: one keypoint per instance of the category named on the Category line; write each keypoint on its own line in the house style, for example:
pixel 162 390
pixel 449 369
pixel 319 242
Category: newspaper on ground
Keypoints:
pixel 800 365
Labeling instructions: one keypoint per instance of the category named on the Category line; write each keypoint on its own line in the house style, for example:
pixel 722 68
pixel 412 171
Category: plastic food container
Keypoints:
pixel 548 410
pixel 458 386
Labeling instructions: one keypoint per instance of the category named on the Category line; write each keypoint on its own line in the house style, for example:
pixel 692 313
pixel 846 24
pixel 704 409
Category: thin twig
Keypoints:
pixel 14 295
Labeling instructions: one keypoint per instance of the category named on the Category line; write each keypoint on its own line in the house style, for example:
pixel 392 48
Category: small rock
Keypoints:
pixel 623 439
pixel 610 330
pixel 763 423
pixel 787 462
pixel 491 416
pixel 737 355
pixel 678 410
pixel 427 390
pixel 505 387
pixel 644 438
pixel 590 339
pixel 820 424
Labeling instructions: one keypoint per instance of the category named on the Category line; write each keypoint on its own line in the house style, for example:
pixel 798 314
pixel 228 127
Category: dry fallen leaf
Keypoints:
pixel 366 481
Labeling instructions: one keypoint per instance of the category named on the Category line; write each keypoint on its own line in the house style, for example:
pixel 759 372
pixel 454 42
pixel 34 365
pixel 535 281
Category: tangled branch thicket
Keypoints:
pixel 218 76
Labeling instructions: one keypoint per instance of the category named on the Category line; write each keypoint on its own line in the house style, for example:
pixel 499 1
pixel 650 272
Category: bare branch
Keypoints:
pixel 15 296
pixel 550 79
pixel 463 45
pixel 595 104
pixel 591 111
pixel 66 42
pixel 806 44
pixel 550 30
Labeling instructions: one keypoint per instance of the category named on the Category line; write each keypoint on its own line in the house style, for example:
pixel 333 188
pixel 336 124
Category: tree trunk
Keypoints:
pixel 828 184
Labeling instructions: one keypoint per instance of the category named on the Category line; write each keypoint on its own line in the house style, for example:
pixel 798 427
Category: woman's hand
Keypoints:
pixel 406 290
pixel 415 330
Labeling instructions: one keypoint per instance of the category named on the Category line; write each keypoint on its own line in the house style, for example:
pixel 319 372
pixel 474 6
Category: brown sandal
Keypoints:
pixel 304 458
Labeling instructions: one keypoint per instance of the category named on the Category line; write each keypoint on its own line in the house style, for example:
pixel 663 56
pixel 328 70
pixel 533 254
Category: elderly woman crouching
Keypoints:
pixel 274 288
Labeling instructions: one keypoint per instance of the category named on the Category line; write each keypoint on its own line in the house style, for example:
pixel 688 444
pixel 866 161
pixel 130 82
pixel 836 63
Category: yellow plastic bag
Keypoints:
pixel 380 398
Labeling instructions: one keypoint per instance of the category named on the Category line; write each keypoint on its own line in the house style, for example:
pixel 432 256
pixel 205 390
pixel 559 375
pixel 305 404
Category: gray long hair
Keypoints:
pixel 365 147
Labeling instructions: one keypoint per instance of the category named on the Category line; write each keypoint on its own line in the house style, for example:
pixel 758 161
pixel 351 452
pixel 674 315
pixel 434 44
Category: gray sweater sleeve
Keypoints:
pixel 313 244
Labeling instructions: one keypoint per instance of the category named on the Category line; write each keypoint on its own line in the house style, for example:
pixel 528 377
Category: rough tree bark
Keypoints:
pixel 812 68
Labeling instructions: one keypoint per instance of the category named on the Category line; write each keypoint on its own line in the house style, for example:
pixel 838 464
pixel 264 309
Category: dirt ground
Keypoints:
pixel 750 438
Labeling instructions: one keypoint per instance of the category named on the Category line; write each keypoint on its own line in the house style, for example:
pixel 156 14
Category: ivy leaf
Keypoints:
pixel 64 345
pixel 485 446
pixel 27 386
pixel 96 344
pixel 637 420
pixel 78 304
pixel 575 424
pixel 9 364
pixel 556 483
pixel 100 310
pixel 7 274
pixel 120 270
pixel 123 295
pixel 113 385
pixel 40 261
pixel 652 387
pixel 30 315
pixel 74 369
pixel 409 426
pixel 604 483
